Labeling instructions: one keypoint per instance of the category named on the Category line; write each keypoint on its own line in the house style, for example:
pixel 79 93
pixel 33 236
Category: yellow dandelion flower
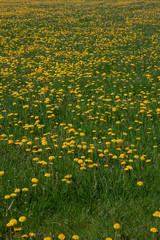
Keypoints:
pixel 24 189
pixel 22 219
pixel 106 165
pixel 7 196
pixel 17 229
pixel 156 214
pixel 67 181
pixel 31 234
pixel 116 226
pixel 140 183
pixel 13 221
pixel 47 174
pixel 24 236
pixel 76 237
pixel 90 150
pixel 148 160
pixel 9 224
pixel 17 190
pixel 61 236
pixel 51 157
pixel 81 134
pixel 13 194
pixel 68 176
pixel 34 180
pixel 1 173
pixel 82 168
pixel 47 238
pixel 154 230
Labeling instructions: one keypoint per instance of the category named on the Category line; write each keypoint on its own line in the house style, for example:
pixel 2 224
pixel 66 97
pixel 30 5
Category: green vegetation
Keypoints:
pixel 79 121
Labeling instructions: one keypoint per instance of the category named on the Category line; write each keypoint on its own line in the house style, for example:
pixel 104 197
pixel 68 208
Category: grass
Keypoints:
pixel 79 121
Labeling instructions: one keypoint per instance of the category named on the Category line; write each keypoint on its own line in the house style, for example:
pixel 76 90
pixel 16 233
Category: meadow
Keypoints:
pixel 79 120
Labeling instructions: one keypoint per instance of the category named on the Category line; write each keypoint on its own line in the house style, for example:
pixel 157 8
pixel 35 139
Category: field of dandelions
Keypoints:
pixel 79 119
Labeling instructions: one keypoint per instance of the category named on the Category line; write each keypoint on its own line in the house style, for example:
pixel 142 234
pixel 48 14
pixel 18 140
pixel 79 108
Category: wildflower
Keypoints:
pixel 22 219
pixel 17 190
pixel 116 226
pixel 1 173
pixel 108 238
pixel 67 181
pixel 81 134
pixel 31 234
pixel 13 194
pixel 24 236
pixel 34 180
pixel 76 237
pixel 47 174
pixel 51 157
pixel 90 150
pixel 140 183
pixel 156 214
pixel 34 185
pixel 61 236
pixel 128 167
pixel 24 189
pixel 68 176
pixel 7 196
pixel 10 224
pixel 17 229
pixel 148 160
pixel 154 230
pixel 47 238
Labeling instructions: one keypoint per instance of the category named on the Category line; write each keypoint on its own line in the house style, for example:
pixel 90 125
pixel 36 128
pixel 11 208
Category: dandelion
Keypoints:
pixel 22 219
pixel 61 236
pixel 81 134
pixel 106 165
pixel 17 229
pixel 116 226
pixel 34 180
pixel 1 173
pixel 47 238
pixel 67 181
pixel 24 189
pixel 148 160
pixel 154 230
pixel 7 196
pixel 51 157
pixel 47 174
pixel 24 236
pixel 31 234
pixel 13 221
pixel 9 224
pixel 17 190
pixel 13 194
pixel 76 237
pixel 140 183
pixel 156 214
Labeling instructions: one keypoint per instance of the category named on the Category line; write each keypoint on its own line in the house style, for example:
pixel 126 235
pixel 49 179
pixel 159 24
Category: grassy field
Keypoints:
pixel 79 120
